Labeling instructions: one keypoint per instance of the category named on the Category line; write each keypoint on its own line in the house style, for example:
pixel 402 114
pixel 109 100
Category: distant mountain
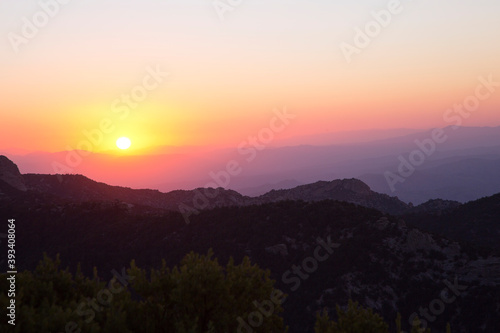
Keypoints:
pixel 348 137
pixel 477 222
pixel 466 166
pixel 435 206
pixel 348 190
pixel 448 218
pixel 458 178
pixel 78 188
pixel 263 189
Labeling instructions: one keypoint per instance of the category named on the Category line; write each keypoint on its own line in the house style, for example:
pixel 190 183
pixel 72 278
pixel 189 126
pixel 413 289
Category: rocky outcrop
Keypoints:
pixel 437 206
pixel 9 173
pixel 418 240
pixel 348 190
pixel 278 249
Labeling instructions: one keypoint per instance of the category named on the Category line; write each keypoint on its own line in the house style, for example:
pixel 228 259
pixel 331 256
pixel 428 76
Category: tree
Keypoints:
pixel 416 328
pixel 398 323
pixel 355 319
pixel 198 296
pixel 202 296
pixel 47 299
pixel 323 323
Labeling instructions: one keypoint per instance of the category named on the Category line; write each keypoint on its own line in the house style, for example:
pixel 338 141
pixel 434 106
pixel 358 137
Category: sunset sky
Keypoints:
pixel 226 76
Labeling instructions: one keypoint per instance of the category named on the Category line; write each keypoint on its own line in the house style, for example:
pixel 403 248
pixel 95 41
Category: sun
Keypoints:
pixel 123 143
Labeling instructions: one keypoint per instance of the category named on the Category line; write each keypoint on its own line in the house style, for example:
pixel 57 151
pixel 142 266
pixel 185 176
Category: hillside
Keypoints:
pixel 382 261
pixel 79 188
pixel 376 259
pixel 477 222
pixel 348 190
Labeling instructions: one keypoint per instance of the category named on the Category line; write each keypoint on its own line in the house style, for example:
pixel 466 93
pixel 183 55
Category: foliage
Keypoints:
pixel 355 319
pixel 417 328
pixel 198 296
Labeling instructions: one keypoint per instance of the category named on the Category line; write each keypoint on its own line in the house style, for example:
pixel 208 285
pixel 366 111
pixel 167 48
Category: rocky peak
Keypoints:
pixel 354 185
pixel 9 173
pixel 349 190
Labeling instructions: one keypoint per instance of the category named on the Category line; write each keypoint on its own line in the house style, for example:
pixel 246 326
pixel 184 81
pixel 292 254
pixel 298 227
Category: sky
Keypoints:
pixel 208 73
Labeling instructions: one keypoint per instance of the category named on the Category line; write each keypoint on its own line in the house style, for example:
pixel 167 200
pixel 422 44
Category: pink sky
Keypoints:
pixel 226 77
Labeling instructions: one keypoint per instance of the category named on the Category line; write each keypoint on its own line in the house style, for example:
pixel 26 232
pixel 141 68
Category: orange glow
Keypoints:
pixel 226 80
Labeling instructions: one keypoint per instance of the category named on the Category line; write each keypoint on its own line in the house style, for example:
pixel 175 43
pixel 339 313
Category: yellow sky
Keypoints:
pixel 226 77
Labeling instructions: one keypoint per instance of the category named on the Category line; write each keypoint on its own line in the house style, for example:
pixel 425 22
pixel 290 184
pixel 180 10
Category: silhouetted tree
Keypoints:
pixel 355 319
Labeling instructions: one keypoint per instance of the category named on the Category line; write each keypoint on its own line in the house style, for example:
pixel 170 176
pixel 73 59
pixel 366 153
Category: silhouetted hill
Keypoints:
pixel 377 260
pixel 9 173
pixel 464 168
pixel 80 189
pixel 263 189
pixel 449 218
pixel 349 190
pixel 437 206
pixel 476 221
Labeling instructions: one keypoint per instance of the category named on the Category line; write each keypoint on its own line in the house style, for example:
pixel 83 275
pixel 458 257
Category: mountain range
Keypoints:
pixel 388 255
pixel 462 168
pixel 79 188
pixel 436 215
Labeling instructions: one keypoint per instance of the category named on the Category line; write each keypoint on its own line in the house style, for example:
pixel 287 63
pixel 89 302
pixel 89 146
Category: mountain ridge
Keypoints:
pixel 385 262
pixel 80 188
